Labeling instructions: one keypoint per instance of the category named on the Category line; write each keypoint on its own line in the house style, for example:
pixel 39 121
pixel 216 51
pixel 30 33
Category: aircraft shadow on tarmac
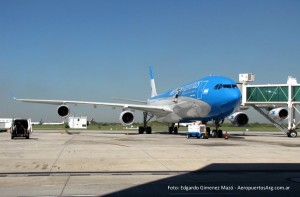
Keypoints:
pixel 23 138
pixel 260 134
pixel 167 133
pixel 73 132
pixel 248 179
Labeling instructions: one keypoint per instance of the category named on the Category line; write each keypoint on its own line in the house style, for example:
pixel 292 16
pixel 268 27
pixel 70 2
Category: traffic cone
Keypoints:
pixel 226 136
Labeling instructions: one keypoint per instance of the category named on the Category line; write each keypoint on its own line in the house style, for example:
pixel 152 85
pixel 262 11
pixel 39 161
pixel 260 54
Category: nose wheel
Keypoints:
pixel 292 133
pixel 218 133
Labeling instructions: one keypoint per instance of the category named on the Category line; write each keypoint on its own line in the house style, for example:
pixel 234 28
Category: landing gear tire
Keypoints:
pixel 214 133
pixel 220 134
pixel 170 130
pixel 175 130
pixel 27 136
pixel 207 132
pixel 148 130
pixel 141 130
pixel 12 136
pixel 292 134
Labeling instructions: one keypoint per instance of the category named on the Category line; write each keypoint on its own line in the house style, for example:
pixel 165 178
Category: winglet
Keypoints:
pixel 152 83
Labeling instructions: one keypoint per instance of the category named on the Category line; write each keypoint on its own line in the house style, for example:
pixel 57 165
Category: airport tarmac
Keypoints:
pixel 123 163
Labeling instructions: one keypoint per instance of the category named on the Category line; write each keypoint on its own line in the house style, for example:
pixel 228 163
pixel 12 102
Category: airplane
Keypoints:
pixel 211 98
pixel 41 122
pixel 37 123
pixel 53 123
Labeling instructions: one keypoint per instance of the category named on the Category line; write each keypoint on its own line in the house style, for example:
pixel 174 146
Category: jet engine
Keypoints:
pixel 63 111
pixel 126 118
pixel 278 114
pixel 238 119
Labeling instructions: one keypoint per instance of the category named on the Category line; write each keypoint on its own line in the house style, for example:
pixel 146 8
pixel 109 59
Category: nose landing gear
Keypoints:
pixel 218 133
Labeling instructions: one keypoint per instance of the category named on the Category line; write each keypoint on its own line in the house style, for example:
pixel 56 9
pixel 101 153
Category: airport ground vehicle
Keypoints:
pixel 5 124
pixel 196 130
pixel 21 128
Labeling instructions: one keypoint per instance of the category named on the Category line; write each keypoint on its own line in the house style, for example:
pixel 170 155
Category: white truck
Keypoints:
pixel 5 124
pixel 196 130
pixel 21 128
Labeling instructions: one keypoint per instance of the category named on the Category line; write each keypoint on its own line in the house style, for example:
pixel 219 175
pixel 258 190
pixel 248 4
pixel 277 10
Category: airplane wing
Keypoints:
pixel 146 108
pixel 131 100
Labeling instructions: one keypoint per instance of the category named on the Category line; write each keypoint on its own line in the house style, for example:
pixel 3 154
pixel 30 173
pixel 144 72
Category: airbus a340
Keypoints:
pixel 211 98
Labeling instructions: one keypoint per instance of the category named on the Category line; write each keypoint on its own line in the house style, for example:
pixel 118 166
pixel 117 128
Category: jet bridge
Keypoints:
pixel 277 102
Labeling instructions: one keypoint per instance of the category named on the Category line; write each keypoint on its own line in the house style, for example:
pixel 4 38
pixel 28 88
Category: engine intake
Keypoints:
pixel 238 119
pixel 279 113
pixel 127 118
pixel 63 111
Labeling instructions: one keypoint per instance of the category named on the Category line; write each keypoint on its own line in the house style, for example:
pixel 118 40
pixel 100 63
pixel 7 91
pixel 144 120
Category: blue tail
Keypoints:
pixel 152 83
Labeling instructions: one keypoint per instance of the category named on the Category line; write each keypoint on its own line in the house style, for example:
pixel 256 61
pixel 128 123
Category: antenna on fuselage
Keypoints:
pixel 152 83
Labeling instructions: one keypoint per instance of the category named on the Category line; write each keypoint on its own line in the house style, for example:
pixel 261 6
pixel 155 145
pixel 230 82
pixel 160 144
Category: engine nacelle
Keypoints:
pixel 238 119
pixel 63 111
pixel 127 118
pixel 279 113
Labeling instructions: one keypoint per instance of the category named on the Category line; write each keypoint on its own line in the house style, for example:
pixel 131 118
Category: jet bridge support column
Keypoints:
pixel 291 109
pixel 291 122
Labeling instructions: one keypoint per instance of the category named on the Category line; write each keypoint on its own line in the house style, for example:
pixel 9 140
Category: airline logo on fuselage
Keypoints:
pixel 192 86
pixel 186 87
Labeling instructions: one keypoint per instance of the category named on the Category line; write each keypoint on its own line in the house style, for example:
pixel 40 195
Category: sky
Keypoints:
pixel 94 50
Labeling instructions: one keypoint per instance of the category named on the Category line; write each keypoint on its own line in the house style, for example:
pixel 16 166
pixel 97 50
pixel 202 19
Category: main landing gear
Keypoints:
pixel 173 129
pixel 218 133
pixel 147 118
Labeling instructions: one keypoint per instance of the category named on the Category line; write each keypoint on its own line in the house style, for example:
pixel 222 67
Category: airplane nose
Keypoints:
pixel 236 96
pixel 232 99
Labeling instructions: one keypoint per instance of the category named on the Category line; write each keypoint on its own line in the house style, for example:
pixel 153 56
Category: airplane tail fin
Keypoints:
pixel 152 83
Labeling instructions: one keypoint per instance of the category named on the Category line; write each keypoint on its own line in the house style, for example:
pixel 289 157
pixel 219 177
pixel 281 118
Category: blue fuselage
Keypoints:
pixel 210 98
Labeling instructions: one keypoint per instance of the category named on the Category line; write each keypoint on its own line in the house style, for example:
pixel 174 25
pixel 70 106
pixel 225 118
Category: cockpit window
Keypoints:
pixel 227 86
pixel 219 86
